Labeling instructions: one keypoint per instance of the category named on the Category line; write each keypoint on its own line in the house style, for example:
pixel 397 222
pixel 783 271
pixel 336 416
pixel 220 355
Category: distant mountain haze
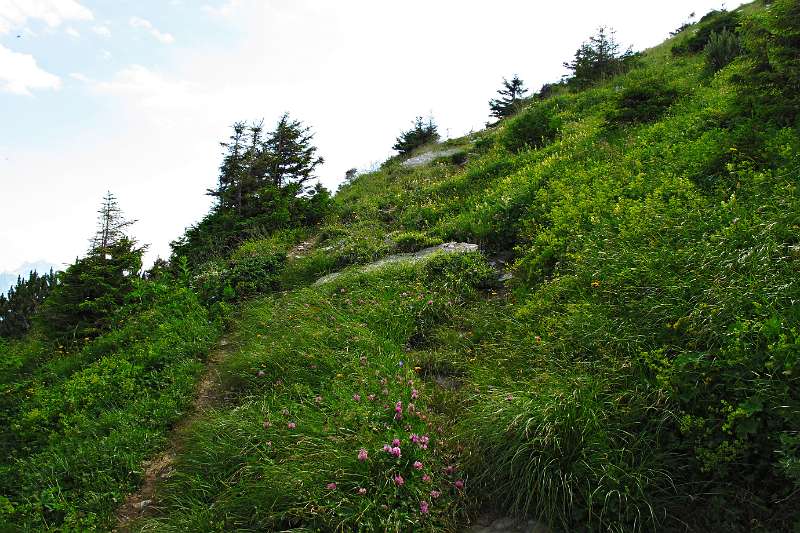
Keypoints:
pixel 9 278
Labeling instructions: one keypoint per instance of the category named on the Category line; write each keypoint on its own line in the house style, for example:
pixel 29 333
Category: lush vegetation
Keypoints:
pixel 639 371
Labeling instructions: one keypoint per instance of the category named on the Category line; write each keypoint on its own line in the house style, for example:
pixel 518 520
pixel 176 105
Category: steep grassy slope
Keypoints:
pixel 639 372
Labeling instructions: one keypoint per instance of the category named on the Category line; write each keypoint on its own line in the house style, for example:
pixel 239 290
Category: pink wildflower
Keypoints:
pixel 387 448
pixel 459 484
pixel 362 491
pixel 398 480
pixel 331 486
pixel 396 451
pixel 362 454
pixel 396 442
pixel 414 438
pixel 291 425
pixel 371 397
pixel 356 397
pixel 449 470
pixel 414 394
pixel 423 507
pixel 430 302
pixel 417 465
pixel 435 494
pixel 426 478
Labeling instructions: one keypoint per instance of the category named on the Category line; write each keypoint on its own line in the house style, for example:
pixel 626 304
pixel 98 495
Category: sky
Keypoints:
pixel 134 96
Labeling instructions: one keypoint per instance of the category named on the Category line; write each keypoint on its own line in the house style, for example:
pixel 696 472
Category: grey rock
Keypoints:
pixel 448 248
pixel 427 157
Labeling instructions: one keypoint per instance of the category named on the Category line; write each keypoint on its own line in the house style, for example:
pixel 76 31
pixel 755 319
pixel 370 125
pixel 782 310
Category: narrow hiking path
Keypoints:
pixel 144 502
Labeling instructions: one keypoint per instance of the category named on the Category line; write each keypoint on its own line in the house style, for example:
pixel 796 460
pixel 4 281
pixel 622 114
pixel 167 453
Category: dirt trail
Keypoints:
pixel 144 502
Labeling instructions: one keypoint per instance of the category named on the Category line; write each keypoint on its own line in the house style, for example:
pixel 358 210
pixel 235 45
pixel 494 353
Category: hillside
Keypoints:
pixel 621 353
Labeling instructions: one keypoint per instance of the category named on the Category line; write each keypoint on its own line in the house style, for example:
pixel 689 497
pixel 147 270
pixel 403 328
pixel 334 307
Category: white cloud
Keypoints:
pixel 15 13
pixel 105 55
pixel 19 73
pixel 80 77
pixel 223 10
pixel 72 32
pixel 102 30
pixel 140 23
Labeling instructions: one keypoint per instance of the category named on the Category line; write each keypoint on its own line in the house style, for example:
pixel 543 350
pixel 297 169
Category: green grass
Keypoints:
pixel 77 425
pixel 638 373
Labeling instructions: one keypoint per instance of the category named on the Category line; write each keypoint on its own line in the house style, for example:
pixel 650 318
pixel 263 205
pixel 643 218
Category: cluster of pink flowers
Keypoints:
pixel 331 486
pixel 435 494
pixel 414 394
pixel 417 465
pixel 423 507
pixel 394 451
pixel 398 410
pixel 422 441
pixel 291 425
pixel 356 397
pixel 398 480
pixel 362 455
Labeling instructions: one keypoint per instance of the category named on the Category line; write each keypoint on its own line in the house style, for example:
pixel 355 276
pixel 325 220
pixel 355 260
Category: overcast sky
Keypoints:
pixel 133 96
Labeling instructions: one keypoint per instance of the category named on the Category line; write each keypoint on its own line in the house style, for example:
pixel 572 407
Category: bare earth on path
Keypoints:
pixel 144 502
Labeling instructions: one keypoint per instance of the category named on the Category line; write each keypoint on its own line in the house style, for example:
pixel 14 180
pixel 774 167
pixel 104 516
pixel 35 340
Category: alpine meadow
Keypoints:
pixel 584 317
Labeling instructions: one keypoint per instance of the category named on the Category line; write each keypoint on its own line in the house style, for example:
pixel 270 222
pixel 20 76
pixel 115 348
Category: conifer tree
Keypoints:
pixel 422 133
pixel 598 58
pixel 510 95
pixel 289 156
pixel 90 290
pixel 111 225
pixel 18 309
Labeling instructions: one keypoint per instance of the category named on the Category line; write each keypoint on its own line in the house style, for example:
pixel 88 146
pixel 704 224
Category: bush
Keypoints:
pixel 643 101
pixel 712 22
pixel 422 133
pixel 532 128
pixel 411 241
pixel 722 49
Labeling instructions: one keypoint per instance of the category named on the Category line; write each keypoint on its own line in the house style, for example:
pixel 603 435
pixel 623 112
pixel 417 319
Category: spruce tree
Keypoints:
pixel 422 133
pixel 90 290
pixel 288 156
pixel 510 95
pixel 18 309
pixel 597 59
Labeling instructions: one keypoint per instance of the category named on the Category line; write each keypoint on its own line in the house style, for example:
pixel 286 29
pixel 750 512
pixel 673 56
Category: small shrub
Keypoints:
pixel 722 49
pixel 643 101
pixel 532 128
pixel 411 241
pixel 712 22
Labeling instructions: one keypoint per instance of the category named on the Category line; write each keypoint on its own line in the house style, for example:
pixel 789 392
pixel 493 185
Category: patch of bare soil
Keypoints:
pixel 144 502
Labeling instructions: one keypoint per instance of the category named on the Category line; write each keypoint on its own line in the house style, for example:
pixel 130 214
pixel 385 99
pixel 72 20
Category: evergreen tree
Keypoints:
pixel 422 133
pixel 510 94
pixel 229 190
pixel 90 290
pixel 18 309
pixel 288 155
pixel 111 225
pixel 598 59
